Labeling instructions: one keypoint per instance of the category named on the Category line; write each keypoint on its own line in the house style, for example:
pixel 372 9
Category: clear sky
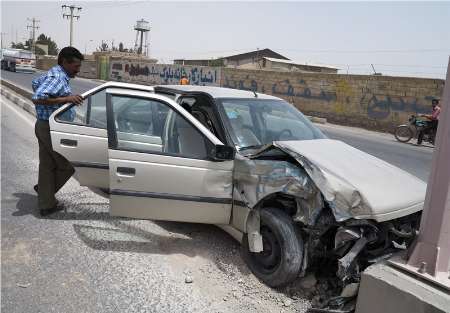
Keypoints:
pixel 403 38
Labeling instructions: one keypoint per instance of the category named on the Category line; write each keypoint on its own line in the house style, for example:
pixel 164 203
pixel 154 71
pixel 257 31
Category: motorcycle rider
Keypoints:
pixel 432 125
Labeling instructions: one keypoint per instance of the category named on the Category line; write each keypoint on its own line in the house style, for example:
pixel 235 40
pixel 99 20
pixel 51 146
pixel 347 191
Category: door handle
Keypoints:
pixel 126 171
pixel 68 142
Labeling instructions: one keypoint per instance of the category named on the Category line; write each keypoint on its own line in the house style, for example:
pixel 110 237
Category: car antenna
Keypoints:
pixel 256 95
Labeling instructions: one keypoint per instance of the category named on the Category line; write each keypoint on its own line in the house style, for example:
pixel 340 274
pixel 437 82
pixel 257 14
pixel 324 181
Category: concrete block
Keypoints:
pixel 318 120
pixel 389 290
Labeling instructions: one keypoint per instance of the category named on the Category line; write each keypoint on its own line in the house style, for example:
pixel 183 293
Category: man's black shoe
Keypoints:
pixel 36 188
pixel 56 208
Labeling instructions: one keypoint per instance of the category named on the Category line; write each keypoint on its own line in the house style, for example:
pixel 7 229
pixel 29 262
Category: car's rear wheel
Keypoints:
pixel 281 259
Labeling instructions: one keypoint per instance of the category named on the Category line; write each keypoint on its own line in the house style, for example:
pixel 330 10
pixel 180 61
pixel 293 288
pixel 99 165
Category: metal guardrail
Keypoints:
pixel 26 104
pixel 21 91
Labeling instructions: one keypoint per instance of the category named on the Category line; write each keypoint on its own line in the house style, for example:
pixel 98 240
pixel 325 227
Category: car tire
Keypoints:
pixel 281 260
pixel 403 133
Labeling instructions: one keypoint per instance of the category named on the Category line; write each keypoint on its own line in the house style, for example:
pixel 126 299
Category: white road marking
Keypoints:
pixel 19 112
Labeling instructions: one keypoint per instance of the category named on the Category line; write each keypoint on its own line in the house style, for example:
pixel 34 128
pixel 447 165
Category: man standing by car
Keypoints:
pixel 51 91
pixel 433 123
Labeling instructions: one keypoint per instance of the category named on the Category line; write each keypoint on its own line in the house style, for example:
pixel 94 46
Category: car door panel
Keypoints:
pixel 86 149
pixel 153 184
pixel 161 189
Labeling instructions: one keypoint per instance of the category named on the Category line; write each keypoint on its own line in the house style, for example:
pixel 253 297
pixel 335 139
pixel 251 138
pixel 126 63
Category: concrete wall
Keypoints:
pixel 88 69
pixel 156 74
pixel 43 63
pixel 373 102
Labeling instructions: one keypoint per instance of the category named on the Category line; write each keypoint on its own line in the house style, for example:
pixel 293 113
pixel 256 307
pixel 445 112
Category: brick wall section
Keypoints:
pixel 373 102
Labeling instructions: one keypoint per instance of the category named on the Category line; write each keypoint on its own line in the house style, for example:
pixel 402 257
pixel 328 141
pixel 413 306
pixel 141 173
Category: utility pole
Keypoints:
pixel 68 13
pixel 33 27
pixel 2 43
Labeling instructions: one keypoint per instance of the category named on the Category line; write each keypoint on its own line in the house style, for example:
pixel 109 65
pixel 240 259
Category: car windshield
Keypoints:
pixel 256 122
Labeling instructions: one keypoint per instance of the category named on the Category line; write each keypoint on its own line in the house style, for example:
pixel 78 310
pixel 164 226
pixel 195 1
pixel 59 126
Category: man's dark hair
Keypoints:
pixel 69 54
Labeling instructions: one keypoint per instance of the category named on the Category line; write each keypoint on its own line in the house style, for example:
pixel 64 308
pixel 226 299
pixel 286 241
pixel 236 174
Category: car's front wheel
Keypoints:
pixel 281 259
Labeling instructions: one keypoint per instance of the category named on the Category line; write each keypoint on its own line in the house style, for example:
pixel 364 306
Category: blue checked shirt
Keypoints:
pixel 53 84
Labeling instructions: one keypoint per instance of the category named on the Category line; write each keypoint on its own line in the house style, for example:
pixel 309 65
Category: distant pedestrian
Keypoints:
pixel 184 80
pixel 51 91
pixel 433 123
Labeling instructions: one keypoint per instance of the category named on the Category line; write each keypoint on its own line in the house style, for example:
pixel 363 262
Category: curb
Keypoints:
pixel 18 96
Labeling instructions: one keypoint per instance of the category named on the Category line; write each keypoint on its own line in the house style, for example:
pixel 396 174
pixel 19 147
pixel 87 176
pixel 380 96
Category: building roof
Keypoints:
pixel 261 53
pixel 301 63
pixel 211 59
pixel 215 92
pixel 246 55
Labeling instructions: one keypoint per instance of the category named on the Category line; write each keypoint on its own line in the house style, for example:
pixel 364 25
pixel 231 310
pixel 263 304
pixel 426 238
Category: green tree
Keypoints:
pixel 17 45
pixel 52 46
pixel 103 47
pixel 27 46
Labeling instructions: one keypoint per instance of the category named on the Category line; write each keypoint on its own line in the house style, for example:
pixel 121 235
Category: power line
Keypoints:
pixel 68 13
pixel 33 27
pixel 369 51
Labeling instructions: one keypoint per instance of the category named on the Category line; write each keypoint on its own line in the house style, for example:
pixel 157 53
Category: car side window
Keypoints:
pixel 91 113
pixel 151 126
pixel 97 114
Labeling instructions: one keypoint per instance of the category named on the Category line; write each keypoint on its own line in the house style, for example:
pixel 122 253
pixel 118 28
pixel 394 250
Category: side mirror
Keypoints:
pixel 222 153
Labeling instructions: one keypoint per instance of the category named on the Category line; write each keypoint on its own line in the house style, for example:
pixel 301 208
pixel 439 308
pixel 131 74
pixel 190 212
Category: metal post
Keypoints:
pixel 71 26
pixel 33 34
pixel 430 258
pixel 2 41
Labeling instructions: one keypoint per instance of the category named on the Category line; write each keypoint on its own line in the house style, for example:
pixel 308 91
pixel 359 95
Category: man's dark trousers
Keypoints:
pixel 54 169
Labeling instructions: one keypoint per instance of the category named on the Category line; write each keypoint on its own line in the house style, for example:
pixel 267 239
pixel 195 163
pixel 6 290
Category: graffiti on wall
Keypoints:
pixel 282 88
pixel 382 106
pixel 164 74
pixel 338 94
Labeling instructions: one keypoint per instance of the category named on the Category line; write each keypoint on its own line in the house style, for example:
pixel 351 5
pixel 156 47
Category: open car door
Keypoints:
pixel 163 163
pixel 79 133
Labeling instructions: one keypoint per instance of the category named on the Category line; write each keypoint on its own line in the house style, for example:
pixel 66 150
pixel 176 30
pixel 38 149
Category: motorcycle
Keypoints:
pixel 417 127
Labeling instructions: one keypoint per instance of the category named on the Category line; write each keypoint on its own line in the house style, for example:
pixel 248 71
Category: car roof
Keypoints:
pixel 215 92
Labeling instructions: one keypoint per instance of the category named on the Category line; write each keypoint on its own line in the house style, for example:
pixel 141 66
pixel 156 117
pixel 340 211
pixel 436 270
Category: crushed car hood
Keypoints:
pixel 354 183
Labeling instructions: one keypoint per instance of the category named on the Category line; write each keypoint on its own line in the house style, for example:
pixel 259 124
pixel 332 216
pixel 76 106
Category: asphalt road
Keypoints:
pixel 412 158
pixel 416 160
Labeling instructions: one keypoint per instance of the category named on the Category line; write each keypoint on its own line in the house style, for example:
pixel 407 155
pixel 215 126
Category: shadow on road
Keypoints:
pixel 159 238
pixel 175 238
pixel 26 205
pixel 120 235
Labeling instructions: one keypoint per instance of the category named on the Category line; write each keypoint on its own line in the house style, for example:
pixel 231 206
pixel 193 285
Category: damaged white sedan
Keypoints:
pixel 248 162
